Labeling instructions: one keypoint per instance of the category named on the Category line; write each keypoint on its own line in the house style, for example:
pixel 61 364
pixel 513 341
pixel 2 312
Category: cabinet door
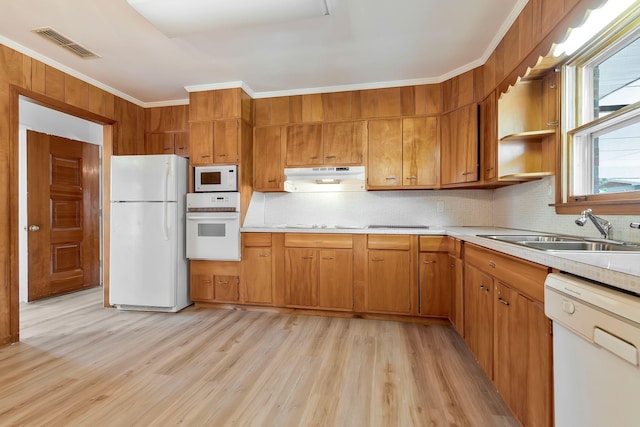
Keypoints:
pixel 384 158
pixel 267 167
pixel 335 284
pixel 489 138
pixel 158 143
pixel 256 275
pixel 523 356
pixel 226 288
pixel 201 287
pixel 303 145
pixel 389 282
pixel 344 143
pixel 457 303
pixel 201 143
pixel 226 140
pixel 181 143
pixel 460 145
pixel 478 316
pixel 435 288
pixel 301 277
pixel 420 151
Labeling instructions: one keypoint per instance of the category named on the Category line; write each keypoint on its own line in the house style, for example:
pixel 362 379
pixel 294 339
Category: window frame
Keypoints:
pixel 578 113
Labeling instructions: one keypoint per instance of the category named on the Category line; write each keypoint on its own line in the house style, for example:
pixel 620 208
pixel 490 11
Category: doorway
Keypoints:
pixel 66 275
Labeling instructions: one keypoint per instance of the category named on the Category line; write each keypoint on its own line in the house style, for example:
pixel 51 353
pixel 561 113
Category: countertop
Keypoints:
pixel 617 269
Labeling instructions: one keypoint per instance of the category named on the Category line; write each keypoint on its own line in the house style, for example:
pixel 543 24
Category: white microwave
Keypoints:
pixel 216 178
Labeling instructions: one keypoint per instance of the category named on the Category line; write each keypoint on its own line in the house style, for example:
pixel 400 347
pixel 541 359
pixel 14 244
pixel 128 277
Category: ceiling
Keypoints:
pixel 361 44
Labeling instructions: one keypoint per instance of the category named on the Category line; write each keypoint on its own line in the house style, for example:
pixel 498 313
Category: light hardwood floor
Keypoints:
pixel 81 364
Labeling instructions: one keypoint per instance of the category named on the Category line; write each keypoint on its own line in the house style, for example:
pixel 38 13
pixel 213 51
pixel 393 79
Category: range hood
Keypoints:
pixel 324 179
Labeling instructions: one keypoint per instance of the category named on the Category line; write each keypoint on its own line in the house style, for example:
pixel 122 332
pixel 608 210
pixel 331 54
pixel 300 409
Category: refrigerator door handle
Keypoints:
pixel 165 207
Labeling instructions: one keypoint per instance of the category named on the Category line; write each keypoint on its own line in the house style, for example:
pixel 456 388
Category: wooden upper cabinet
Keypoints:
pixel 129 128
pixel 226 141
pixel 458 91
pixel 384 152
pixel 428 99
pixel 341 106
pixel 459 159
pixel 267 161
pixel 158 143
pixel 181 143
pixel 344 143
pixel 303 145
pixel 215 104
pixel 421 152
pixel 201 142
pixel 381 103
pixel 489 138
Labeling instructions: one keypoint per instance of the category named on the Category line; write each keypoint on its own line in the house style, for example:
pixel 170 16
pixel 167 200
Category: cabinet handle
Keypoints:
pixel 205 156
pixel 553 123
pixel 307 257
pixel 223 155
pixel 220 282
pixel 263 255
pixel 552 86
pixel 484 288
pixel 467 173
pixel 413 177
pixel 313 157
pixel 452 265
pixel 330 157
pixel 168 149
pixel 328 257
pixel 492 264
pixel 271 180
pixel 389 178
pixel 488 169
pixel 377 259
pixel 429 262
pixel 500 300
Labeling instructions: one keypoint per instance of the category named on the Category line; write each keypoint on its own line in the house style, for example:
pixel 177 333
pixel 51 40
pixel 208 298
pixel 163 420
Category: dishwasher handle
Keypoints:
pixel 615 345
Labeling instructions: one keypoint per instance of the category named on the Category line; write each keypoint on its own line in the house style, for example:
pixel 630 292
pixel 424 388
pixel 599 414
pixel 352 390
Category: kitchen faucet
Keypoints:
pixel 603 226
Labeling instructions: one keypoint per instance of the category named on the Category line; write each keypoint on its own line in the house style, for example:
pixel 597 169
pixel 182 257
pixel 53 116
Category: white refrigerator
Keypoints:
pixel 147 264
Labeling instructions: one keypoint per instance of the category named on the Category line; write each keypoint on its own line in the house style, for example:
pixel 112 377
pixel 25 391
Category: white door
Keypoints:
pixel 144 254
pixel 145 178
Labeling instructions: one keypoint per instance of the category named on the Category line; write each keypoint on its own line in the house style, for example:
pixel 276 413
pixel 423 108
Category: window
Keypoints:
pixel 602 119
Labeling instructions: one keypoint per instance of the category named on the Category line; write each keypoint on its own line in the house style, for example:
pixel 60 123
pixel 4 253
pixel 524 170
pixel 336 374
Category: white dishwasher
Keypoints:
pixel 596 337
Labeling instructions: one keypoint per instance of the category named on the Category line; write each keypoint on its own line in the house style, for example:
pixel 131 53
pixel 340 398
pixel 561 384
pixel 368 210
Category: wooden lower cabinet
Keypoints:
pixel 214 281
pixel 478 316
pixel 435 287
pixel 391 284
pixel 316 274
pixel 506 329
pixel 256 279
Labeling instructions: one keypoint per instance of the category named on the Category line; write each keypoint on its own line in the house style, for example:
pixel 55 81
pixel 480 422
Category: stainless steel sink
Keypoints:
pixel 565 243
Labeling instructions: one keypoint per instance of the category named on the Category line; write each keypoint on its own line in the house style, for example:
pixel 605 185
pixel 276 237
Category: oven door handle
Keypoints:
pixel 191 217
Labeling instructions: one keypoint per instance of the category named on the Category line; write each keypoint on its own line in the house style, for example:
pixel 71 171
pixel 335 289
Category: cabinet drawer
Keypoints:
pixel 338 241
pixel 223 268
pixel 522 275
pixel 435 244
pixel 256 239
pixel 386 241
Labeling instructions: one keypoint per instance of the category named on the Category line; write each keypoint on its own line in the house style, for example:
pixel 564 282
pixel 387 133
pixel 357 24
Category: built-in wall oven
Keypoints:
pixel 213 226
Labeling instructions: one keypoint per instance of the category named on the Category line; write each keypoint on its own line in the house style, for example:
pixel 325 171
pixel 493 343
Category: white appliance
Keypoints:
pixel 596 336
pixel 216 178
pixel 213 226
pixel 148 269
pixel 324 179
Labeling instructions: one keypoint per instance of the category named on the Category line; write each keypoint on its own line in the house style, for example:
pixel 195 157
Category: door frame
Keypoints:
pixel 107 150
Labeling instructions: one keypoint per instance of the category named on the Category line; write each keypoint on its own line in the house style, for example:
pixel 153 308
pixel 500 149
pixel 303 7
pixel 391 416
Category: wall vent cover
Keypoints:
pixel 54 36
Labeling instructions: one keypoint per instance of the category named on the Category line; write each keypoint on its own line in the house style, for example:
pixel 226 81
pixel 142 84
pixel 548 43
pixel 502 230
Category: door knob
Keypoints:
pixel 34 228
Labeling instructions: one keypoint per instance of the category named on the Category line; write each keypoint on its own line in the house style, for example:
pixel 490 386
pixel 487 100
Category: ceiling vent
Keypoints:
pixel 54 36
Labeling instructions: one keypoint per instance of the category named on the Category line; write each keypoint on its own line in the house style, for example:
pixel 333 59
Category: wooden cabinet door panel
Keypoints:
pixel 478 319
pixel 256 275
pixel 303 145
pixel 267 164
pixel 388 284
pixel 226 288
pixel 301 277
pixel 344 143
pixel 226 140
pixel 435 288
pixel 384 165
pixel 335 284
pixel 457 302
pixel 201 142
pixel 158 143
pixel 467 142
pixel 489 138
pixel 421 154
pixel 201 287
pixel 181 143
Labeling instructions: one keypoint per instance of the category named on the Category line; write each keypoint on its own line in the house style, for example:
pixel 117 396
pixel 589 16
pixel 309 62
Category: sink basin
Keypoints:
pixel 565 243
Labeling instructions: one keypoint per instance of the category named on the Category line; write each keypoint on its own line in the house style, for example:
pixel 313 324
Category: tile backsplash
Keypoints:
pixel 523 206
